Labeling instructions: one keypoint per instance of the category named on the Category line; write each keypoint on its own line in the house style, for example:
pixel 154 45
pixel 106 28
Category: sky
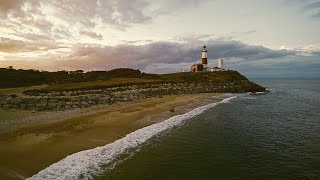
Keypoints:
pixel 274 38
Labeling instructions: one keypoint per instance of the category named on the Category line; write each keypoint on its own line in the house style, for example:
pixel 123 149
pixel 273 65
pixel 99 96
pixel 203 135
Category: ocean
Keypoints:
pixel 276 136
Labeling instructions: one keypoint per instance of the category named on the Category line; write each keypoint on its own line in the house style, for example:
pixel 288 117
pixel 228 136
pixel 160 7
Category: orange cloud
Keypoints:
pixel 17 46
pixel 97 57
pixel 6 5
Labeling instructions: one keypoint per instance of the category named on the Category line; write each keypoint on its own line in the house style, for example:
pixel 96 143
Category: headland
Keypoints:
pixel 41 123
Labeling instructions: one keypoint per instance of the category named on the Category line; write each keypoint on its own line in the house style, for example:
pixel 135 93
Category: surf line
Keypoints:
pixel 88 163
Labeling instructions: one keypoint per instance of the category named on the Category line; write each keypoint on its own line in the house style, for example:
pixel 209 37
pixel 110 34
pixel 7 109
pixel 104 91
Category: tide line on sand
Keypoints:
pixel 88 163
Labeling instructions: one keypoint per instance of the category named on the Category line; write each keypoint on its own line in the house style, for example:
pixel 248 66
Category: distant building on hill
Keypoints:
pixel 215 69
pixel 203 67
pixel 197 68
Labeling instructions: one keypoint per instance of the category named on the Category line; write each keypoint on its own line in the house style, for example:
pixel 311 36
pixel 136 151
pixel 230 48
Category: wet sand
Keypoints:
pixel 31 142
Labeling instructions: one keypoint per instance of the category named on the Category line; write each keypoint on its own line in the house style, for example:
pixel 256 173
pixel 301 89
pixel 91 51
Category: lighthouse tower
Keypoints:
pixel 220 63
pixel 204 57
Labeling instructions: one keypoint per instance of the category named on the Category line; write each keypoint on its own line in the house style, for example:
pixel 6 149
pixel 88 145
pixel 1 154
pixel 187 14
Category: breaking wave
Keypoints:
pixel 87 164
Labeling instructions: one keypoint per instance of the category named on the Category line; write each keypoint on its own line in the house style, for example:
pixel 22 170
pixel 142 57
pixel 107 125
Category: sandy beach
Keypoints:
pixel 30 142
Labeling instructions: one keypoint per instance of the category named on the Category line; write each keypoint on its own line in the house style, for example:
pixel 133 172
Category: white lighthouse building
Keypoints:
pixel 204 57
pixel 204 65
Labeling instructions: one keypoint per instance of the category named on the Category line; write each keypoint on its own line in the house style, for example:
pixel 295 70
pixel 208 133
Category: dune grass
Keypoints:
pixel 20 90
pixel 114 81
pixel 182 77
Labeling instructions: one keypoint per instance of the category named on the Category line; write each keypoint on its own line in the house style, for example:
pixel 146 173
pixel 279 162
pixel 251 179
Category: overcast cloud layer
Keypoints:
pixel 150 35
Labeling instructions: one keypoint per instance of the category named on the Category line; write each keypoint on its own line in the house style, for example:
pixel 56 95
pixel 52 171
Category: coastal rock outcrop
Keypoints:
pixel 68 100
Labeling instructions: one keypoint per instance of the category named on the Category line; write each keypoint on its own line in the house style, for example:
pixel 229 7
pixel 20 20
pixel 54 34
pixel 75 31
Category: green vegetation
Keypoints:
pixel 11 78
pixel 216 77
pixel 78 80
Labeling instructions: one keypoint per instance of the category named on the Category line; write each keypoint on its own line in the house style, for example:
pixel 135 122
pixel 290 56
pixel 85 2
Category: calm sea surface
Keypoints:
pixel 276 136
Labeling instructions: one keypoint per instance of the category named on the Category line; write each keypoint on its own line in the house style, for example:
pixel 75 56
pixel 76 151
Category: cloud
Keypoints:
pixel 116 13
pixel 311 7
pixel 166 7
pixel 91 34
pixel 67 20
pixel 97 57
pixel 31 30
pixel 78 21
pixel 8 45
pixel 6 5
pixel 198 38
pixel 316 15
pixel 75 21
pixel 166 57
pixel 83 13
pixel 298 67
pixel 17 46
pixel 130 12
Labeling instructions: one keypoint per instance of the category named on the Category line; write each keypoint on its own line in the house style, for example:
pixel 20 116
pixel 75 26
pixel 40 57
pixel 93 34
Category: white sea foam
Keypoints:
pixel 86 164
pixel 253 98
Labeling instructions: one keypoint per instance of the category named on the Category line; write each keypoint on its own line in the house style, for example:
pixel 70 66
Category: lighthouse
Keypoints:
pixel 203 67
pixel 220 63
pixel 204 57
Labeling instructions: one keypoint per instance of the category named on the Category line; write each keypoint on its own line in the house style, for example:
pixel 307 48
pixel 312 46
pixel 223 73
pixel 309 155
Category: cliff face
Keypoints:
pixel 67 97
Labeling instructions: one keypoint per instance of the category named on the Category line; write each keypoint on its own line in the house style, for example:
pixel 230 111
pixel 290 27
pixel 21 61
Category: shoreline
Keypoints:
pixel 50 137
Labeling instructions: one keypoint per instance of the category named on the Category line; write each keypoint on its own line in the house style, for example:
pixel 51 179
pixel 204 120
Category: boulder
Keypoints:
pixel 76 103
pixel 67 93
pixel 23 106
pixel 8 99
pixel 77 99
pixel 43 101
pixel 41 107
pixel 74 93
pixel 85 104
pixel 30 107
pixel 16 101
pixel 54 100
pixel 67 107
pixel 51 106
pixel 61 103
pixel 2 103
pixel 68 98
pixel 105 100
pixel 91 102
pixel 55 93
pixel 7 106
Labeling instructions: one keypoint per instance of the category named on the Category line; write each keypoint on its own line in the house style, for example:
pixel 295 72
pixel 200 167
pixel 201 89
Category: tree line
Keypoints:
pixel 10 77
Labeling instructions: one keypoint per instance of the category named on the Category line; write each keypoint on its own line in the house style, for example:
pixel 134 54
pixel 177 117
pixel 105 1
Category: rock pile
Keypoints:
pixel 67 100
